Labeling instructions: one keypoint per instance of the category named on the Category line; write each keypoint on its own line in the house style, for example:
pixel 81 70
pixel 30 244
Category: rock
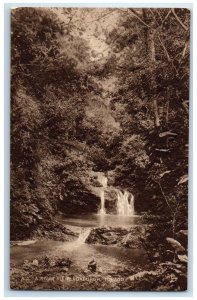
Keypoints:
pixel 35 262
pixel 132 241
pixel 65 269
pixel 54 231
pixel 86 272
pixel 100 270
pixel 46 261
pixel 63 262
pixel 26 262
pixel 52 263
pixel 92 265
pixel 123 272
pixel 130 238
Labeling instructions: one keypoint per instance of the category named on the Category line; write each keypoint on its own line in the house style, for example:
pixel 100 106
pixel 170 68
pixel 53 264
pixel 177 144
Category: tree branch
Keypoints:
pixel 152 13
pixel 165 198
pixel 103 16
pixel 132 11
pixel 158 13
pixel 166 17
pixel 179 20
pixel 164 48
pixel 184 49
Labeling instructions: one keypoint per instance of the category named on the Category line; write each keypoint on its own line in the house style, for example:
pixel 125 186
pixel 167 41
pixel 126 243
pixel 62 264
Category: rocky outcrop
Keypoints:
pixel 122 237
pixel 54 231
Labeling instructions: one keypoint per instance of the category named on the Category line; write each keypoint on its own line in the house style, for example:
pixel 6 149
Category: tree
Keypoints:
pixel 48 101
pixel 150 99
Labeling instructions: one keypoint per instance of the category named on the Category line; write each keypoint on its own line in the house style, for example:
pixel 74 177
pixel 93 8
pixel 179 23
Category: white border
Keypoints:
pixel 194 114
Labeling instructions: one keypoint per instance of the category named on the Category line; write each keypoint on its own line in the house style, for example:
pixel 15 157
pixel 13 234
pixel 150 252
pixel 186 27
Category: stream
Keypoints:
pixel 97 220
pixel 78 250
pixel 109 258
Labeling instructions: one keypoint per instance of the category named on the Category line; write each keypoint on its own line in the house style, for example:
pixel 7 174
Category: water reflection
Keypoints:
pixel 107 257
pixel 96 220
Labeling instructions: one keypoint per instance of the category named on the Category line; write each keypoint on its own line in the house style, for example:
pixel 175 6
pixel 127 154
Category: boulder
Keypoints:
pixel 35 262
pixel 92 265
pixel 129 238
pixel 63 262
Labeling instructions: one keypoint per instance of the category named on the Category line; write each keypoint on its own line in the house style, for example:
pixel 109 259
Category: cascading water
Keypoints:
pixel 102 209
pixel 103 180
pixel 125 204
pixel 125 201
pixel 83 235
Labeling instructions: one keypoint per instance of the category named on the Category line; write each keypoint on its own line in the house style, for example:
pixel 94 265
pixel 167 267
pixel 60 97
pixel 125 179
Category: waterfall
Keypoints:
pixel 125 201
pixel 102 209
pixel 103 180
pixel 125 204
pixel 83 235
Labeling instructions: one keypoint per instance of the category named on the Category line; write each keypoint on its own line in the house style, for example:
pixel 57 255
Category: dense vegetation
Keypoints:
pixel 75 111
pixel 100 91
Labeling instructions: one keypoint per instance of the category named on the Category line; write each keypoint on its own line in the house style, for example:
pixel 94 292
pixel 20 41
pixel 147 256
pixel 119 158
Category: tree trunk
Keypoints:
pixel 149 34
pixel 152 61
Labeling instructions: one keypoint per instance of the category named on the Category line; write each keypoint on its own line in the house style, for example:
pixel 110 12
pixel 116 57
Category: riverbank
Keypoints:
pixel 52 273
pixel 134 258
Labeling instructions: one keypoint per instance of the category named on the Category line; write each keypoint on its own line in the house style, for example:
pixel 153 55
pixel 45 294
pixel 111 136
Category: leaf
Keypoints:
pixel 183 179
pixel 184 232
pixel 183 258
pixel 162 150
pixel 166 172
pixel 175 244
pixel 167 133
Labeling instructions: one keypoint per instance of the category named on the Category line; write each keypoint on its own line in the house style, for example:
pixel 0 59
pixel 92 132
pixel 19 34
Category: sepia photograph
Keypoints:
pixel 99 148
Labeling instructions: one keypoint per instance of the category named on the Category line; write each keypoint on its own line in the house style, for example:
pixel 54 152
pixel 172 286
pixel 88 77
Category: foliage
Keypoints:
pixel 122 110
pixel 48 64
pixel 150 103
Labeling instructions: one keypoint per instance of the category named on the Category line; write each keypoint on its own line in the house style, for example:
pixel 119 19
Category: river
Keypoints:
pixel 109 258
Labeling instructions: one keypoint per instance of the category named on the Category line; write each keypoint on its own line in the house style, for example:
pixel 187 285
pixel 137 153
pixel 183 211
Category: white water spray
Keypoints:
pixel 83 235
pixel 125 204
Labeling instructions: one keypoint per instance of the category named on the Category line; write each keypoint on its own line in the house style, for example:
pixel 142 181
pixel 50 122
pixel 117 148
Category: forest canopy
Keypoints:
pixel 98 90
